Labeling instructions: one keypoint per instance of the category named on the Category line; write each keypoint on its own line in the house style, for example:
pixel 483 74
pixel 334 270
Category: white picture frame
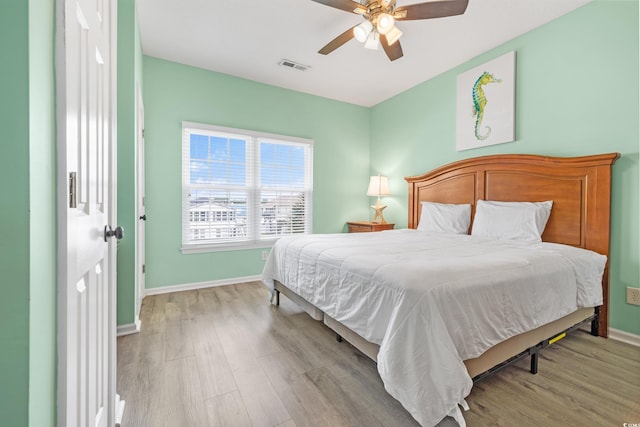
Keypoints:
pixel 485 104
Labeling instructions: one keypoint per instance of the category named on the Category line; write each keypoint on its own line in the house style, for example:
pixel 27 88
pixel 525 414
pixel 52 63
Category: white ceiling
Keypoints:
pixel 248 38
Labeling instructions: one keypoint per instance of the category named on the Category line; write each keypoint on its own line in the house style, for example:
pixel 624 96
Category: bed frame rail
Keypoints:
pixel 535 350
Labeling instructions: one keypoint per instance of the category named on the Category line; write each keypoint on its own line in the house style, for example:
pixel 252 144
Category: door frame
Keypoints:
pixel 140 205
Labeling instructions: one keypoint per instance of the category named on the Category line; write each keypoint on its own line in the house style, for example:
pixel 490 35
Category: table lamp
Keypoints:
pixel 378 186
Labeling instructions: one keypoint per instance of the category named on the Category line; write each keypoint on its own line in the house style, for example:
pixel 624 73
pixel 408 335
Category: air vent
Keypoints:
pixel 291 64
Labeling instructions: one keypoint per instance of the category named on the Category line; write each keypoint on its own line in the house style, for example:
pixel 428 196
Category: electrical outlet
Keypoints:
pixel 633 296
pixel 265 255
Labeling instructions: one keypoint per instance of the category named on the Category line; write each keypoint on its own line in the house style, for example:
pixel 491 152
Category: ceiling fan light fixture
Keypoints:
pixel 379 16
pixel 372 41
pixel 385 23
pixel 393 35
pixel 362 31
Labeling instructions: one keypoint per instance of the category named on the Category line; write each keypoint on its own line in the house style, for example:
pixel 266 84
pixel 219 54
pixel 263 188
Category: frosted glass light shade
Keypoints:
pixel 393 35
pixel 378 186
pixel 373 41
pixel 385 23
pixel 362 31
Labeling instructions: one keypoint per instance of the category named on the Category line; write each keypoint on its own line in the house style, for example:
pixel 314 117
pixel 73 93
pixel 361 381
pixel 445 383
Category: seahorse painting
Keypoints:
pixel 480 102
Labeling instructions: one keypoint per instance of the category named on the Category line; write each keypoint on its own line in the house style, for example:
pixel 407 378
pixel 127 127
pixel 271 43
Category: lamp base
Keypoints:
pixel 378 218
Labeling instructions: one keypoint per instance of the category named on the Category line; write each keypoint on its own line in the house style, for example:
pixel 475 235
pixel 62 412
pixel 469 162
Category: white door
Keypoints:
pixel 140 211
pixel 86 88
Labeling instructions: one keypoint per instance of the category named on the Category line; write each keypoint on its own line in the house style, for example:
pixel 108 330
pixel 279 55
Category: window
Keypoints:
pixel 243 189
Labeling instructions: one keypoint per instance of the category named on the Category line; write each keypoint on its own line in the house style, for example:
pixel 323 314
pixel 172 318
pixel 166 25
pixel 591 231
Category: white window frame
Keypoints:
pixel 253 189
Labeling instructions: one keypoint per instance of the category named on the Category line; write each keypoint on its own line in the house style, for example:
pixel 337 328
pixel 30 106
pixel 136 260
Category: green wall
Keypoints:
pixel 14 234
pixel 175 92
pixel 27 237
pixel 576 94
pixel 129 77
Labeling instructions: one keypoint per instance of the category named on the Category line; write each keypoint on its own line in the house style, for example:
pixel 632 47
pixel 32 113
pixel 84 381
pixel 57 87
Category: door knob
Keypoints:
pixel 118 233
pixel 144 217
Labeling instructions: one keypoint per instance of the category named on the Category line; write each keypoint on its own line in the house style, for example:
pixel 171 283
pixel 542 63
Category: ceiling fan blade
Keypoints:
pixel 393 51
pixel 348 5
pixel 337 42
pixel 433 9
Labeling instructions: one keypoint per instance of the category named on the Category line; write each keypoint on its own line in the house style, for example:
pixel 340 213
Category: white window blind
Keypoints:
pixel 243 188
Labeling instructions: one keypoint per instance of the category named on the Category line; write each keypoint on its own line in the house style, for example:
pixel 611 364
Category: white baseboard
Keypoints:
pixel 199 285
pixel 129 328
pixel 628 337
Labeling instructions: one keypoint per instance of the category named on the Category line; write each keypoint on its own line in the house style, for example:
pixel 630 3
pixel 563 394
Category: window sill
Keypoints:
pixel 225 247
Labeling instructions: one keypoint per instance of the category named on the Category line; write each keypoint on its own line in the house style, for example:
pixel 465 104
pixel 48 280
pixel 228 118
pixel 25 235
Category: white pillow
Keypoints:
pixel 445 218
pixel 511 220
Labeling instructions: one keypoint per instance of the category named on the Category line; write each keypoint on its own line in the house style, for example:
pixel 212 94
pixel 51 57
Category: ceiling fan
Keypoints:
pixel 379 27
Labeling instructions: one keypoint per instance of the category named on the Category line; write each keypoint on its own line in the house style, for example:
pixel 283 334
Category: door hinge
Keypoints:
pixel 142 133
pixel 144 267
pixel 73 203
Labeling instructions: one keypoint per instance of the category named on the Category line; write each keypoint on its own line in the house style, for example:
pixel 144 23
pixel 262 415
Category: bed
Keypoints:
pixel 387 325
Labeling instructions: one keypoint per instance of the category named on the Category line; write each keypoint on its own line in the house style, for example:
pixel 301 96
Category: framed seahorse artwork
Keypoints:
pixel 485 110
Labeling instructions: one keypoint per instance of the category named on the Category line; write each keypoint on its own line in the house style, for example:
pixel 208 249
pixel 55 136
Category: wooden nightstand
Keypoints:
pixel 367 226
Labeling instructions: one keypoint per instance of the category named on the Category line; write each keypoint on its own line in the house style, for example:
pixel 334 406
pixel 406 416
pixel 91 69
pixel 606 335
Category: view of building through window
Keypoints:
pixel 244 187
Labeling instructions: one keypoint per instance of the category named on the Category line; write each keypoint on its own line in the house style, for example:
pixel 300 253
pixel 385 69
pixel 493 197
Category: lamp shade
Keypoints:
pixel 362 31
pixel 378 186
pixel 372 40
pixel 393 35
pixel 385 23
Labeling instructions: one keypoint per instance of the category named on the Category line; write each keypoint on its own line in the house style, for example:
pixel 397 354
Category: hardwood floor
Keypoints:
pixel 225 357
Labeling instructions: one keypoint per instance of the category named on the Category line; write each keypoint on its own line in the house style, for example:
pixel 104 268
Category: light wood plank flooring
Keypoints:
pixel 225 357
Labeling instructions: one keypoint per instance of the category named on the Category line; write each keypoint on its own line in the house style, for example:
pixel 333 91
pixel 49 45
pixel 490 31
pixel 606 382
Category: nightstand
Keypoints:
pixel 367 226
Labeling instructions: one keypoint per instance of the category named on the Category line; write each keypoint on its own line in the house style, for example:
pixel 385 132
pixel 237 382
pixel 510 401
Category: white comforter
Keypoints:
pixel 431 301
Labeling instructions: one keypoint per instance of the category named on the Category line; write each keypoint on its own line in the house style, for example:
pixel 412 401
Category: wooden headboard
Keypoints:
pixel 580 188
